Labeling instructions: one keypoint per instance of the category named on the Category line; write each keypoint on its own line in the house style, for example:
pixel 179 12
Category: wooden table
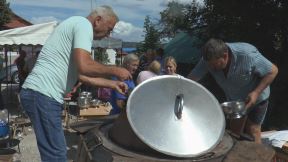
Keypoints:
pixel 99 110
pixel 95 111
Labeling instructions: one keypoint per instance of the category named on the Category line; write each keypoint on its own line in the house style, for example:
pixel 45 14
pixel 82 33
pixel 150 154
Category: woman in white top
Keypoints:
pixel 152 71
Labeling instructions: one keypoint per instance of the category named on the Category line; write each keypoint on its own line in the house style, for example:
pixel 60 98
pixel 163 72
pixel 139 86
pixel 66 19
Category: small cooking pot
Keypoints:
pixel 86 94
pixel 84 99
pixel 83 102
pixel 234 109
pixel 95 102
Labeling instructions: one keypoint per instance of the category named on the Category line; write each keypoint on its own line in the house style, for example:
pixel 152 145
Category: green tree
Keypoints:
pixel 101 55
pixel 179 17
pixel 152 36
pixel 260 22
pixel 5 13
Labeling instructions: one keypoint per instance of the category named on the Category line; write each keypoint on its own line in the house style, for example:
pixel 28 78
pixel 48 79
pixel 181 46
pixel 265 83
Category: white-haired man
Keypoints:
pixel 64 59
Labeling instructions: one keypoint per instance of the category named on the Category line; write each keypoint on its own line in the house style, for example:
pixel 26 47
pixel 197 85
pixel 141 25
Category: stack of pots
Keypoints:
pixel 84 99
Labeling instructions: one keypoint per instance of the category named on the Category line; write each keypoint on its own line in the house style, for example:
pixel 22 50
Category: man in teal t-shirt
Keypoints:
pixel 64 59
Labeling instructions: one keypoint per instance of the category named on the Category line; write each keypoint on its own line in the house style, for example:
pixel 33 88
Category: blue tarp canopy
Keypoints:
pixel 129 50
pixel 183 49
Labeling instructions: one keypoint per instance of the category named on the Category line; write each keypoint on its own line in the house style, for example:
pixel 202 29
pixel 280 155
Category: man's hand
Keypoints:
pixel 122 73
pixel 251 99
pixel 121 87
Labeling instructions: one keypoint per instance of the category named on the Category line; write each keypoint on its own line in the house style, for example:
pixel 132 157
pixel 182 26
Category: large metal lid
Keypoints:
pixel 176 116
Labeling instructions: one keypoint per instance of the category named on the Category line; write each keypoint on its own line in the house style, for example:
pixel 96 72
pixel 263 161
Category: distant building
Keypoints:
pixel 15 22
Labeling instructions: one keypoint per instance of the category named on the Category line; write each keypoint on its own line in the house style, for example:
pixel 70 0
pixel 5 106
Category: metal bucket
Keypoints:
pixel 234 109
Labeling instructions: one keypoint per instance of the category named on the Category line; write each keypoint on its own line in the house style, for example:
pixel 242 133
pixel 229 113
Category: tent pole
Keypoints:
pixel 6 61
pixel 121 55
pixel 32 51
pixel 6 71
pixel 9 90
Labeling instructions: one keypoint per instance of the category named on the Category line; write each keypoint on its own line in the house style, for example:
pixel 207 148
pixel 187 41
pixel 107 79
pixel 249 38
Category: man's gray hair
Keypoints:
pixel 129 58
pixel 214 49
pixel 104 11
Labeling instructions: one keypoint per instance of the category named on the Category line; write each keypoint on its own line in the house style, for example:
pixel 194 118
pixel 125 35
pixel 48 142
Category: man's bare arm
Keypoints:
pixel 267 80
pixel 88 67
pixel 119 86
pixel 264 83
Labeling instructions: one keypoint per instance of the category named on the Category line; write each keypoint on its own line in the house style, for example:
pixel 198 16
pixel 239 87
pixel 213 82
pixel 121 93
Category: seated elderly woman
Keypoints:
pixel 153 70
pixel 117 100
pixel 170 66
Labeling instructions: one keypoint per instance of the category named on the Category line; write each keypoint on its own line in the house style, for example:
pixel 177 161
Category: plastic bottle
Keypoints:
pixel 4 126
pixel 4 115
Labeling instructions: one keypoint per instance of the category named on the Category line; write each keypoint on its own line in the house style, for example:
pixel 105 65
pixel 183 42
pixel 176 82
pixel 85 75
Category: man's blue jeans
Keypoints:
pixel 45 114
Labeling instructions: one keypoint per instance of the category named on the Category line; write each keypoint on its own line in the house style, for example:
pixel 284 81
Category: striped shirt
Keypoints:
pixel 248 66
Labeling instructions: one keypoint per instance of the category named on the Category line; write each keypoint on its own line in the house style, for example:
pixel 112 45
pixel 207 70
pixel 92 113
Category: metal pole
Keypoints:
pixel 91 4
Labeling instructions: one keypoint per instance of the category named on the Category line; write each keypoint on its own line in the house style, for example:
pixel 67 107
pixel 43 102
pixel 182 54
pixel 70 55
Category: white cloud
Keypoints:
pixel 127 32
pixel 38 20
pixel 132 13
pixel 123 28
pixel 54 3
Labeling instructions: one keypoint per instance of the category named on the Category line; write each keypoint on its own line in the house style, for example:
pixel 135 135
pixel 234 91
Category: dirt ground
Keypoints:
pixel 28 146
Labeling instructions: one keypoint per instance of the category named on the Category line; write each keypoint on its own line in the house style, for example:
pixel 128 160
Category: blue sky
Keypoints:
pixel 131 12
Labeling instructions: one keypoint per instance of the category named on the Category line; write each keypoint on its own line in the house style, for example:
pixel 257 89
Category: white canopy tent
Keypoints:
pixel 33 36
pixel 29 35
pixel 108 43
pixel 111 56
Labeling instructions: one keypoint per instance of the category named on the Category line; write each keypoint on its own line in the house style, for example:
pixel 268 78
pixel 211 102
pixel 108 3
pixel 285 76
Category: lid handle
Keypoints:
pixel 178 108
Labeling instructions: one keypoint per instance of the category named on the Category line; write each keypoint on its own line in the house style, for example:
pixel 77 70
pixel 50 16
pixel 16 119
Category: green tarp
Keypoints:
pixel 183 49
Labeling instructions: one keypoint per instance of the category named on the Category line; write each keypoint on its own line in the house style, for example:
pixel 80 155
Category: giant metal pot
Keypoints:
pixel 175 116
